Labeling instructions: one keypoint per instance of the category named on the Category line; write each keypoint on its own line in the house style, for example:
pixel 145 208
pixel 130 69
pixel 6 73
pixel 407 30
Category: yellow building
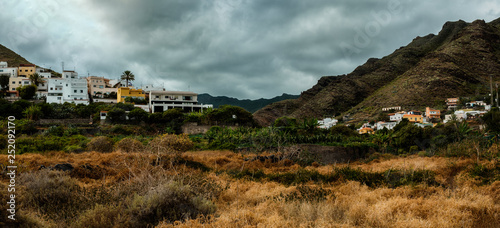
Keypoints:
pixel 25 70
pixel 414 118
pixel 366 130
pixel 125 92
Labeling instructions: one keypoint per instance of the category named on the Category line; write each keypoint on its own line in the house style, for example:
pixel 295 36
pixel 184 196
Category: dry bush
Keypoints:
pixel 129 145
pixel 53 193
pixel 170 144
pixel 100 144
pixel 172 202
pixel 101 216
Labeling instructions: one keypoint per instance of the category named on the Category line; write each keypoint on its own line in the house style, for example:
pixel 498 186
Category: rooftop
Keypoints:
pixel 174 92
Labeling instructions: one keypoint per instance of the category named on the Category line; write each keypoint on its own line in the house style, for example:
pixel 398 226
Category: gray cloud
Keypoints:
pixel 239 48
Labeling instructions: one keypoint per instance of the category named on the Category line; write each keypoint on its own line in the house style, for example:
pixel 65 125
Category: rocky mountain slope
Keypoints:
pixel 456 62
pixel 12 58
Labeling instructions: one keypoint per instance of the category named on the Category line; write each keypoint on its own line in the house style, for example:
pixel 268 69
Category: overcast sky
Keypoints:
pixel 238 48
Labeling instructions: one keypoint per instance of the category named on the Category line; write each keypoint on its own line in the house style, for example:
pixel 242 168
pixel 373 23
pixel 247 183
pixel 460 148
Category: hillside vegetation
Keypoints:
pixel 12 58
pixel 456 62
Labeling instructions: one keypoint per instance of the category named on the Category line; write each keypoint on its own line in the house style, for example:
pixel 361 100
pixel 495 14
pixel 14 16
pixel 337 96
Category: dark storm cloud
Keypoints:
pixel 240 48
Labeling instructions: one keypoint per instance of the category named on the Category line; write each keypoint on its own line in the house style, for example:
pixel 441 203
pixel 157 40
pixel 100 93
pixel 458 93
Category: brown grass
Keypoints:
pixel 462 202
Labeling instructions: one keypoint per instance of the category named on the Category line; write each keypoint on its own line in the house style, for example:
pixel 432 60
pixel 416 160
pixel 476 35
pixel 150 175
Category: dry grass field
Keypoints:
pixel 207 189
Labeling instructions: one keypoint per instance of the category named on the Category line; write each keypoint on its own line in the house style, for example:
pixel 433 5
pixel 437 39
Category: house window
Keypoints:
pixel 66 84
pixel 58 98
pixel 74 91
pixel 81 91
pixel 51 88
pixel 95 86
pixel 14 83
pixel 157 96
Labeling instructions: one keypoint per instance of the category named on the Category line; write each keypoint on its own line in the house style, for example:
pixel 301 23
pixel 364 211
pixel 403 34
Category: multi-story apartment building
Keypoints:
pixel 432 113
pixel 452 103
pixel 98 87
pixel 15 82
pixel 43 86
pixel 69 88
pixel 8 71
pixel 25 70
pixel 124 92
pixel 160 101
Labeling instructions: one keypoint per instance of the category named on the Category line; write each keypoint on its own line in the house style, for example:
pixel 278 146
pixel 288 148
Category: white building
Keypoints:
pixel 43 86
pixel 147 88
pixel 160 101
pixel 69 88
pixel 8 71
pixel 327 123
pixel 389 125
pixel 396 117
pixel 462 115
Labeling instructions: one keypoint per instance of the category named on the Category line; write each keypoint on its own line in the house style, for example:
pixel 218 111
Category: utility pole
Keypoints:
pixel 497 97
pixel 491 90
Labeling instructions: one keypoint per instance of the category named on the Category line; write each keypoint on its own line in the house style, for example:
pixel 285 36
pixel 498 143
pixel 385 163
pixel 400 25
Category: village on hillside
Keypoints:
pixel 470 112
pixel 71 88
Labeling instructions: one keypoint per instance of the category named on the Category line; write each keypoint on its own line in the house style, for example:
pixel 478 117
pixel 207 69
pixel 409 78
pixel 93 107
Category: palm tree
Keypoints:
pixel 36 79
pixel 128 76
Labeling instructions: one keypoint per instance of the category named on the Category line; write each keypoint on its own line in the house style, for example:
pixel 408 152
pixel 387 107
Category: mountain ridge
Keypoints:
pixel 452 63
pixel 12 58
pixel 247 104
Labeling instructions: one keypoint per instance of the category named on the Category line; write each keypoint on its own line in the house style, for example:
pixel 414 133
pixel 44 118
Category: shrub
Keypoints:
pixel 100 144
pixel 100 216
pixel 129 145
pixel 171 201
pixel 53 193
pixel 73 149
pixel 170 143
pixel 56 130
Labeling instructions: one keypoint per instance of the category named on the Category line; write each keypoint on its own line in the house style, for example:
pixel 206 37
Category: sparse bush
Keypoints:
pixel 171 202
pixel 171 144
pixel 101 216
pixel 53 193
pixel 129 145
pixel 100 144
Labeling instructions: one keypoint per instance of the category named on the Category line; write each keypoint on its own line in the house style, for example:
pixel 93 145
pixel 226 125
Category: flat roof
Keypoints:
pixel 173 92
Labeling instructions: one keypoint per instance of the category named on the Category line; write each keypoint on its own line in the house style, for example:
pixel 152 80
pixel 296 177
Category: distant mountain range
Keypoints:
pixel 457 62
pixel 249 105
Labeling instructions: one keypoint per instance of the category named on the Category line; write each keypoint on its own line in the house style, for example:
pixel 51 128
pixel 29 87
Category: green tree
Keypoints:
pixel 33 112
pixel 27 92
pixel 138 115
pixel 128 76
pixel 36 79
pixel 492 120
pixel 4 82
pixel 116 115
pixel 228 114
